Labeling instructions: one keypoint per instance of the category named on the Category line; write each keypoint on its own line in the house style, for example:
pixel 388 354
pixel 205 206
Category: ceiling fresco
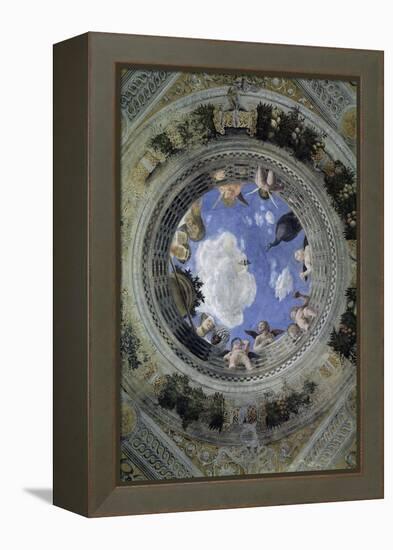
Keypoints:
pixel 238 275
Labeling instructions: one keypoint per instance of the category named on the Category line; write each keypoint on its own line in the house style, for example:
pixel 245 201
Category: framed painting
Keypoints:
pixel 218 259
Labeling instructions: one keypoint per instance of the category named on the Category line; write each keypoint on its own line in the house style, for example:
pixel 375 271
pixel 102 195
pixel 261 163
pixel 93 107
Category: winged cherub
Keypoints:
pixel 303 315
pixel 266 184
pixel 192 222
pixel 294 332
pixel 238 356
pixel 304 256
pixel 263 336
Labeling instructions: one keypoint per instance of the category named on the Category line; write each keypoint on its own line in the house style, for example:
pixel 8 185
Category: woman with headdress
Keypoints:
pixel 207 324
pixel 230 193
pixel 192 223
pixel 180 249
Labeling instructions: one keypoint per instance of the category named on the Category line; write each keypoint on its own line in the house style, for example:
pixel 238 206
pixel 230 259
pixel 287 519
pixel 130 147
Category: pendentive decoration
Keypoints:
pixel 238 304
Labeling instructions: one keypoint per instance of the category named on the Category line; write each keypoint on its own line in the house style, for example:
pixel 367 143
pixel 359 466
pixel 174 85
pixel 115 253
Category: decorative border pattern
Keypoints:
pixel 139 88
pixel 331 97
pixel 147 269
pixel 334 435
pixel 153 452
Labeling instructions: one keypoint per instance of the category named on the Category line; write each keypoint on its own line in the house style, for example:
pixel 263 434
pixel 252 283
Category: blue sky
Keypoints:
pixel 253 233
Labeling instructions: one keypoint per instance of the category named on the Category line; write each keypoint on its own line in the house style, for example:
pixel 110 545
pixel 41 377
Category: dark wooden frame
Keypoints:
pixel 86 367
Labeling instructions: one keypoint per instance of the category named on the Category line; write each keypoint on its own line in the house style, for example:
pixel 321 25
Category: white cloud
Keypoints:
pixel 228 286
pixel 284 284
pixel 258 219
pixel 270 217
pixel 248 220
pixel 242 244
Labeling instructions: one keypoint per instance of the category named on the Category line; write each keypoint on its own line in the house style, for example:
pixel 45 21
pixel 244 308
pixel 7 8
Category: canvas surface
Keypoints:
pixel 238 275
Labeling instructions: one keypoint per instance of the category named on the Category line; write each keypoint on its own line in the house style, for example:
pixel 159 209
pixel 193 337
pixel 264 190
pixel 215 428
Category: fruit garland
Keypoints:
pixel 289 130
pixel 286 130
pixel 130 345
pixel 343 341
pixel 280 410
pixel 192 404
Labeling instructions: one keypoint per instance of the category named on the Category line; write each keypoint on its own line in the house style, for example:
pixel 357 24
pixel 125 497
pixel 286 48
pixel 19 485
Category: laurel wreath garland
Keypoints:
pixel 343 340
pixel 192 404
pixel 130 347
pixel 281 409
pixel 286 130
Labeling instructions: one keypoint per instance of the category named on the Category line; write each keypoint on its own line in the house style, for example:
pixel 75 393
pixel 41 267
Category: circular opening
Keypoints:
pixel 240 271
pixel 199 212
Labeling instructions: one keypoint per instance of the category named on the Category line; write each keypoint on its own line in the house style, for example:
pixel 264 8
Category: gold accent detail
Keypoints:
pixel 189 83
pixel 128 419
pixel 158 384
pixel 235 119
pixel 335 360
pixel 348 124
pixel 126 467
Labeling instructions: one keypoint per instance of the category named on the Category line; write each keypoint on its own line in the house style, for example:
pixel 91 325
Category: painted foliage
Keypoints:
pixel 238 238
